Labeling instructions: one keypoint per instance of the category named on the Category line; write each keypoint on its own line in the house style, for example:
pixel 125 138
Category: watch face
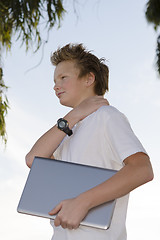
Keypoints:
pixel 62 124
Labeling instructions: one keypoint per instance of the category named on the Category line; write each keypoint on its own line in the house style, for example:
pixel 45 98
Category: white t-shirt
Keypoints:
pixel 102 139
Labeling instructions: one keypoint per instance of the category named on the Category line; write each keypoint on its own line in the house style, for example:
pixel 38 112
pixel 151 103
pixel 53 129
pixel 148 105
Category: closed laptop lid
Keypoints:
pixel 51 181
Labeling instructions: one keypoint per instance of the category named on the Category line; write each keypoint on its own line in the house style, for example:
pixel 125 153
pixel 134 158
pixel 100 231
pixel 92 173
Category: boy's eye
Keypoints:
pixel 63 77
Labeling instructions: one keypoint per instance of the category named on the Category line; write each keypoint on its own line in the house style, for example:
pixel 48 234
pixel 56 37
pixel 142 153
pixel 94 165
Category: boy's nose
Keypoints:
pixel 56 87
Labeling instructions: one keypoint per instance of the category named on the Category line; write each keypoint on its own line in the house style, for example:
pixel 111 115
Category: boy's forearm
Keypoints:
pixel 128 178
pixel 48 143
pixel 45 145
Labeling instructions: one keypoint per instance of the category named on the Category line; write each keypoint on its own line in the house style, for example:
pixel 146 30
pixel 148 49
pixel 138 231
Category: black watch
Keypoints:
pixel 63 125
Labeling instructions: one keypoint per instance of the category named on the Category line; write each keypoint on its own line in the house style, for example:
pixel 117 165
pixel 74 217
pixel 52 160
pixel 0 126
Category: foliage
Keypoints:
pixel 3 107
pixel 24 18
pixel 153 16
pixel 158 54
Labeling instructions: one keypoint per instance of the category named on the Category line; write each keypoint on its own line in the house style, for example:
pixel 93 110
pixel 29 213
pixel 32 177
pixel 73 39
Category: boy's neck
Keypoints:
pixel 84 98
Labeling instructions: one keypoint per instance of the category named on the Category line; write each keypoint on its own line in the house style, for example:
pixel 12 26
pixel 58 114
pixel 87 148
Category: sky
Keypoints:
pixel 118 31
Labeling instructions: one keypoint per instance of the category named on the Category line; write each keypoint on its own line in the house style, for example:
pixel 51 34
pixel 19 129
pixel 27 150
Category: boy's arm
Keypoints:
pixel 137 171
pixel 48 143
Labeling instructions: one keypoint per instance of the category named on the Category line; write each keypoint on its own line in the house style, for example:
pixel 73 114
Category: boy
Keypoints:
pixel 92 133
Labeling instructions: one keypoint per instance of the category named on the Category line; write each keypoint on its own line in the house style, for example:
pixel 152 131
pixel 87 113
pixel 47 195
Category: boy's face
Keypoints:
pixel 70 90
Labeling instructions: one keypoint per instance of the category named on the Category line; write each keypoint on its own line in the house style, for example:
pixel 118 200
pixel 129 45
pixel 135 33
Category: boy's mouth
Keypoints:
pixel 59 94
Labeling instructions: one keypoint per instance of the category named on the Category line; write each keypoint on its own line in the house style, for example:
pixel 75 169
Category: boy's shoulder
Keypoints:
pixel 109 110
pixel 111 113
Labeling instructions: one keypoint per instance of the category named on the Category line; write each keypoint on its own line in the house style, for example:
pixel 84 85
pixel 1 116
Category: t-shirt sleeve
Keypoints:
pixel 121 137
pixel 57 153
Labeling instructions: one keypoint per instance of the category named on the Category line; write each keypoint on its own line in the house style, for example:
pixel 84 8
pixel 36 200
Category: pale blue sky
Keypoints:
pixel 118 31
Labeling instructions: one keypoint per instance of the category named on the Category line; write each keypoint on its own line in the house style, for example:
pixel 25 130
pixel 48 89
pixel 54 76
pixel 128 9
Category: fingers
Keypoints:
pixel 68 215
pixel 57 221
pixel 55 210
pixel 70 227
pixel 97 100
pixel 64 223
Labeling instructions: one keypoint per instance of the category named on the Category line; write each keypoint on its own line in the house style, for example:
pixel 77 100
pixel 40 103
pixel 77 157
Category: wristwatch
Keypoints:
pixel 63 125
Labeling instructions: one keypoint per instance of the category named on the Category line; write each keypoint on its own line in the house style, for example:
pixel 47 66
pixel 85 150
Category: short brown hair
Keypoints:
pixel 86 62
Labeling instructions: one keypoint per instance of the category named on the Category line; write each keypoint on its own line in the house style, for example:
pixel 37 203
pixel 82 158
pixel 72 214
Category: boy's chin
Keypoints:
pixel 66 104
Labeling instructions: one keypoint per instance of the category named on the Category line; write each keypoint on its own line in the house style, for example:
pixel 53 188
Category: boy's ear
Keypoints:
pixel 90 79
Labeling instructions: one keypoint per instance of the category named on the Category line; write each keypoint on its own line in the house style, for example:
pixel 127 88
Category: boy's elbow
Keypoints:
pixel 147 171
pixel 142 167
pixel 149 174
pixel 28 160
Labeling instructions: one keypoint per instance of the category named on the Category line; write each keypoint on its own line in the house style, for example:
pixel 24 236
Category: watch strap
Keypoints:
pixel 68 131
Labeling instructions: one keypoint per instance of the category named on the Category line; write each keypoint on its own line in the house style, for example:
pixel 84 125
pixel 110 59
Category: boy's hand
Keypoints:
pixel 70 213
pixel 89 106
pixel 86 107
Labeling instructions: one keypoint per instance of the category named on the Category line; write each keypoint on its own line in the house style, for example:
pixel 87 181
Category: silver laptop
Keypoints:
pixel 51 181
